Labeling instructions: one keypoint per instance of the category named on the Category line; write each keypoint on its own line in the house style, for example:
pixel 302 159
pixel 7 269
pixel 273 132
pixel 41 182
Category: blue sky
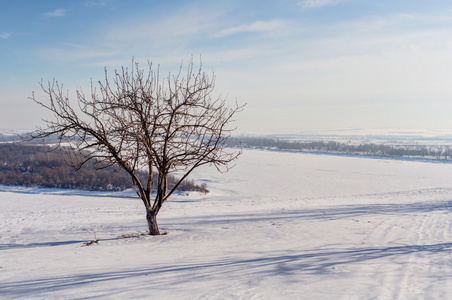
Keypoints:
pixel 298 64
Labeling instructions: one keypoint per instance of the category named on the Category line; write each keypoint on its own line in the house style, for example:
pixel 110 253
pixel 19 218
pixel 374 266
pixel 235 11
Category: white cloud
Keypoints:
pixel 5 35
pixel 258 26
pixel 307 4
pixel 56 13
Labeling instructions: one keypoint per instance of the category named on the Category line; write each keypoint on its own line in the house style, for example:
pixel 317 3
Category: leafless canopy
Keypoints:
pixel 140 121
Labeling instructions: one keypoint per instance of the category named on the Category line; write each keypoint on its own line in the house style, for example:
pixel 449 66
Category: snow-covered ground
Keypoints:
pixel 277 226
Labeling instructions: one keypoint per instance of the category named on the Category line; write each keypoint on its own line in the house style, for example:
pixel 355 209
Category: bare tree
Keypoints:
pixel 142 122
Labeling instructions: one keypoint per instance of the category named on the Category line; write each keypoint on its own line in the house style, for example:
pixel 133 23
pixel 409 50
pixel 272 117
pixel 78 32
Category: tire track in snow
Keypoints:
pixel 406 288
pixel 387 269
pixel 417 264
pixel 426 273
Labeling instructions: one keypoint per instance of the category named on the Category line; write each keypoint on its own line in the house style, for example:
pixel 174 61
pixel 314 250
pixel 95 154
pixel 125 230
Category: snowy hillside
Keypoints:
pixel 277 226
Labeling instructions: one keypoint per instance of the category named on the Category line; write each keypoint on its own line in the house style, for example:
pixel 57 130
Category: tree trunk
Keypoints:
pixel 151 217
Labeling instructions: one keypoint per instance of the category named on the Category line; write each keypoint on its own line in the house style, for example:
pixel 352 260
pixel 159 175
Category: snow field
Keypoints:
pixel 277 226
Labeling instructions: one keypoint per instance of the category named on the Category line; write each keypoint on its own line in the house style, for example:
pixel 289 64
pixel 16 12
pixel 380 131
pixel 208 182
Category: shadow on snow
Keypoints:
pixel 330 213
pixel 293 266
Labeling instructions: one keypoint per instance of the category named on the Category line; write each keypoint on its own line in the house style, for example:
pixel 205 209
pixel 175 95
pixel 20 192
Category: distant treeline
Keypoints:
pixel 419 151
pixel 32 165
pixel 9 138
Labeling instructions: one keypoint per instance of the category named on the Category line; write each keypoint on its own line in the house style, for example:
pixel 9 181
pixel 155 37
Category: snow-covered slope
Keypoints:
pixel 277 226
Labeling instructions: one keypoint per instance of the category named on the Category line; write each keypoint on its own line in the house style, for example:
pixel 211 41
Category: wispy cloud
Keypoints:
pixel 96 3
pixel 175 31
pixel 309 4
pixel 74 52
pixel 258 26
pixel 56 13
pixel 5 35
